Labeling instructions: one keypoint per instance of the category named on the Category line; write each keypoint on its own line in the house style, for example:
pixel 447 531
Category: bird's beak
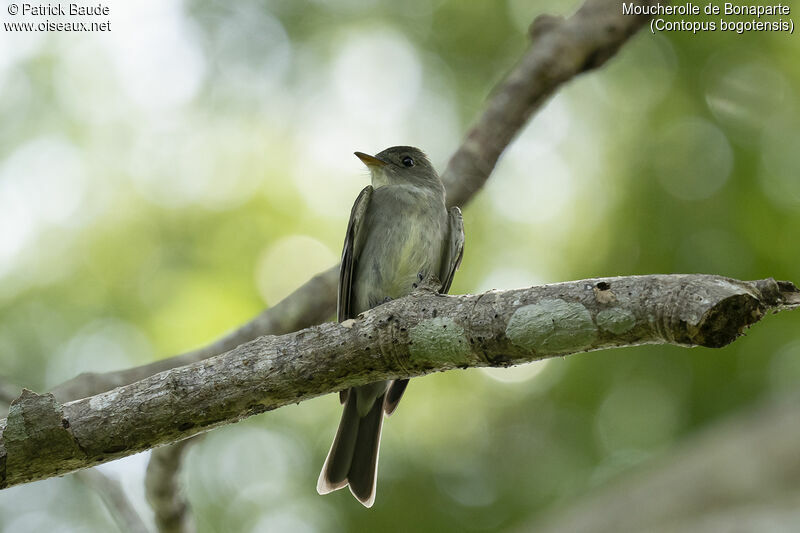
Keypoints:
pixel 369 160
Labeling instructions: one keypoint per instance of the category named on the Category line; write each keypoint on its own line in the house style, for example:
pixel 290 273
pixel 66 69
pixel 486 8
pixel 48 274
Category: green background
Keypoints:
pixel 160 184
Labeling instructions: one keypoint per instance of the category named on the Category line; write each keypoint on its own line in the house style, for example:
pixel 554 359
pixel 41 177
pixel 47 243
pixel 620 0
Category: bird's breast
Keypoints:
pixel 404 244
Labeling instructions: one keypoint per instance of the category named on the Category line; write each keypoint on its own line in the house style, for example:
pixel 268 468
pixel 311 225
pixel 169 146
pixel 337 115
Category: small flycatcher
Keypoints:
pixel 400 232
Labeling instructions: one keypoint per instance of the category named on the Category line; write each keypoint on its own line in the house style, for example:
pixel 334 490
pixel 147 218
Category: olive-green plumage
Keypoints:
pixel 400 232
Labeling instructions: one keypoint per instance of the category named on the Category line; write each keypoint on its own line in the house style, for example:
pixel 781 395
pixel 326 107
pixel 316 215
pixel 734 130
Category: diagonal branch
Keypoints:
pixel 560 49
pixel 313 303
pixel 419 334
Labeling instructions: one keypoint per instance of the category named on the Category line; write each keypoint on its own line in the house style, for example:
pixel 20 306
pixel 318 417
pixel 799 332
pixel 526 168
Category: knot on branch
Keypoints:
pixel 723 322
pixel 712 311
pixel 727 320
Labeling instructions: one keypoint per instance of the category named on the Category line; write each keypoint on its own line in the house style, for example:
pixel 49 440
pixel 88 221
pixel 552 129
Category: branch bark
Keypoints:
pixel 560 49
pixel 419 334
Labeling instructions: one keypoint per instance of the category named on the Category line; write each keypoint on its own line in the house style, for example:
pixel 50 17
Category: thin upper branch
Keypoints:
pixel 559 50
pixel 422 333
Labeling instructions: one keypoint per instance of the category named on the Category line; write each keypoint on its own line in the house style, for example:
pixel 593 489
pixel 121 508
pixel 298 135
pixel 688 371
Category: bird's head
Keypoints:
pixel 401 165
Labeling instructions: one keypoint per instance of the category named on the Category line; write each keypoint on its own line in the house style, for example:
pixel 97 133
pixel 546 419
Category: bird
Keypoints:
pixel 400 233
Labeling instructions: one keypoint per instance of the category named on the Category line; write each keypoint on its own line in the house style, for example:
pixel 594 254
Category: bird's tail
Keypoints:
pixel 353 458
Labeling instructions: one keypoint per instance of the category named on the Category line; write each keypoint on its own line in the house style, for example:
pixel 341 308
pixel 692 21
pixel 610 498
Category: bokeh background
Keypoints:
pixel 163 182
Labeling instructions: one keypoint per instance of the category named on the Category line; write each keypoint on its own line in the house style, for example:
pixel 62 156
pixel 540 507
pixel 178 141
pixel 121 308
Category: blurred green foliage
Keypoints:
pixel 161 184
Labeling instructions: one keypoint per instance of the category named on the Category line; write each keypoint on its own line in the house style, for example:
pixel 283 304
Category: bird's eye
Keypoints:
pixel 408 162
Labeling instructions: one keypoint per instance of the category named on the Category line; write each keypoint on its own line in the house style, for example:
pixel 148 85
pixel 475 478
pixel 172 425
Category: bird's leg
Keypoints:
pixel 429 283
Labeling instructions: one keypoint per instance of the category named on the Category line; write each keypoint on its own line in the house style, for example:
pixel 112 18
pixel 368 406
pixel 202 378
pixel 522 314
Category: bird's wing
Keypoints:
pixel 454 248
pixel 352 242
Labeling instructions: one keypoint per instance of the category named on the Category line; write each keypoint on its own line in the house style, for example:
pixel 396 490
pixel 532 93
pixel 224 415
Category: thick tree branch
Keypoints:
pixel 559 50
pixel 422 333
